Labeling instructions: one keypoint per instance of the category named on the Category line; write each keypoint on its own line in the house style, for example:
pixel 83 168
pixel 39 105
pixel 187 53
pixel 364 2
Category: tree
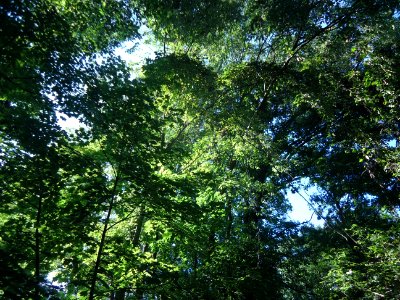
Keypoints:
pixel 175 184
pixel 43 60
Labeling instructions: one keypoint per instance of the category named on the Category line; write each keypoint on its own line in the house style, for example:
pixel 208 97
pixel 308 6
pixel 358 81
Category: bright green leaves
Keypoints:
pixel 368 270
pixel 183 90
pixel 99 24
pixel 56 192
pixel 175 185
pixel 189 21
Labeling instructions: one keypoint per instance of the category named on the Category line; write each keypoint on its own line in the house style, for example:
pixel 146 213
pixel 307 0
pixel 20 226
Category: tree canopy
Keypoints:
pixel 175 183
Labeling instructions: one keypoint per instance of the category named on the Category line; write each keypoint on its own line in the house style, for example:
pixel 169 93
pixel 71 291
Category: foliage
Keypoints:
pixel 174 185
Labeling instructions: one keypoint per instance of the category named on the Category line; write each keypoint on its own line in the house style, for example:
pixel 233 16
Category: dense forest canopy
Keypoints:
pixel 175 184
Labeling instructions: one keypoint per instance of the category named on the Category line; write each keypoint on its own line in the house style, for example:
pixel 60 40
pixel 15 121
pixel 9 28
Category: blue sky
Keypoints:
pixel 300 209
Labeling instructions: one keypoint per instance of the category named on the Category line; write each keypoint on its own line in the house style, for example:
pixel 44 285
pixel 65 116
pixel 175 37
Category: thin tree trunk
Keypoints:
pixel 136 240
pixel 229 219
pixel 139 226
pixel 37 249
pixel 102 241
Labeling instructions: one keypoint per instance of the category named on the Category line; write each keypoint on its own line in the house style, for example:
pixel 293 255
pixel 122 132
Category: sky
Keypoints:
pixel 301 212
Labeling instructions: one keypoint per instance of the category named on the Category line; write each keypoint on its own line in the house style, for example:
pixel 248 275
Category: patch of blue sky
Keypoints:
pixel 134 52
pixel 393 143
pixel 300 200
pixel 139 50
pixel 70 124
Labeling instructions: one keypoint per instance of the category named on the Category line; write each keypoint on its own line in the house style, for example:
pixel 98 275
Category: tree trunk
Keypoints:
pixel 135 237
pixel 37 249
pixel 139 226
pixel 229 219
pixel 102 241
